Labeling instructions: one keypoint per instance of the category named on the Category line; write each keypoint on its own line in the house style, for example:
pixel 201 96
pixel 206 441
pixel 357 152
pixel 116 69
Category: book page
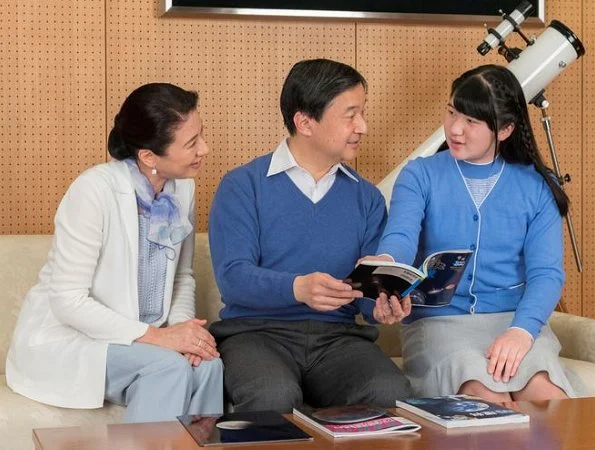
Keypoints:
pixel 444 271
pixel 401 272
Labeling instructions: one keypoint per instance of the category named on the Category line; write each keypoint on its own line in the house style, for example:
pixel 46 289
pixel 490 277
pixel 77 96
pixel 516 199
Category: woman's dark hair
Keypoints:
pixel 312 84
pixel 148 119
pixel 492 94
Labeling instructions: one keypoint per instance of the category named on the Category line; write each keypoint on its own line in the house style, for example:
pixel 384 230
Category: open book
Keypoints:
pixel 452 411
pixel 434 284
pixel 355 421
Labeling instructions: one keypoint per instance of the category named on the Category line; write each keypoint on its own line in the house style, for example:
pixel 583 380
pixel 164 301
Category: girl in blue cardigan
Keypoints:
pixel 491 193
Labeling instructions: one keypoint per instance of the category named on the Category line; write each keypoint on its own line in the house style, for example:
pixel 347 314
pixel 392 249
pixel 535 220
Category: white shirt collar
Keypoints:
pixel 283 160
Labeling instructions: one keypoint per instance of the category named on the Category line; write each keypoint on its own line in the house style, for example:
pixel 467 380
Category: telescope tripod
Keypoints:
pixel 543 105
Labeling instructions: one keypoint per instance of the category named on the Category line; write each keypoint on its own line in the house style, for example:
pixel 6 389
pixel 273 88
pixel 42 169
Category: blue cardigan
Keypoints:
pixel 516 236
pixel 263 232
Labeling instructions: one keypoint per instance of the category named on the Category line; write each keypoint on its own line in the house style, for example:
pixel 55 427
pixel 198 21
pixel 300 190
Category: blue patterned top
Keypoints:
pixel 152 268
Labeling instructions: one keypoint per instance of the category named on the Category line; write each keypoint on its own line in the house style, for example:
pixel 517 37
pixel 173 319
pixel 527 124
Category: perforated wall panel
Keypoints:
pixel 410 69
pixel 238 67
pixel 67 66
pixel 587 120
pixel 52 105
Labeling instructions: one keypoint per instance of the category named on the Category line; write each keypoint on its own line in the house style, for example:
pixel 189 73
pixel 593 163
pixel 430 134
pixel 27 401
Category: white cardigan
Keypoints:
pixel 87 293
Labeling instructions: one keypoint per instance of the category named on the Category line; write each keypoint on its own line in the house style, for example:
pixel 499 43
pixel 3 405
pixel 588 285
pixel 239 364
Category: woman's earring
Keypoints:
pixel 153 171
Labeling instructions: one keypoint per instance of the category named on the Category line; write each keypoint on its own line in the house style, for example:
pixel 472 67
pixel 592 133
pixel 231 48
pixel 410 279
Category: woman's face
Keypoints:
pixel 184 157
pixel 469 139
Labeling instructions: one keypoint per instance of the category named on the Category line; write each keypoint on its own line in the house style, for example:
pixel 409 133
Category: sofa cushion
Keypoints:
pixel 21 258
pixel 19 414
pixel 576 334
pixel 581 376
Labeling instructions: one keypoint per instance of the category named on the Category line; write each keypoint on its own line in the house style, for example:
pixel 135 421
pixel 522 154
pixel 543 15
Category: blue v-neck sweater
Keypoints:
pixel 263 232
pixel 515 236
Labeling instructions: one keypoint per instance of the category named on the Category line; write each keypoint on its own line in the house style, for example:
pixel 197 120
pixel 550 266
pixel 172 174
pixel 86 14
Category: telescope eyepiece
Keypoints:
pixel 510 22
pixel 483 48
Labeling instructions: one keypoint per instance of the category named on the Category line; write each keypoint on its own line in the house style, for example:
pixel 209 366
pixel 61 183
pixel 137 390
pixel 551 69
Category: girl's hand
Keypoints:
pixel 506 353
pixel 391 310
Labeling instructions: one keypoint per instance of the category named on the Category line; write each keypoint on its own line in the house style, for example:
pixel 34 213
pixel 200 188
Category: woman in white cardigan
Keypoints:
pixel 112 314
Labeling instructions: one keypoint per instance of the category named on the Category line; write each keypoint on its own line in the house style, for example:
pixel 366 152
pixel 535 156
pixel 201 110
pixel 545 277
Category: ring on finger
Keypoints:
pixel 199 344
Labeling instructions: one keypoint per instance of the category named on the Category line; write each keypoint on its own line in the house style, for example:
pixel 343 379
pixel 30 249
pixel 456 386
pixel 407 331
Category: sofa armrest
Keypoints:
pixel 576 334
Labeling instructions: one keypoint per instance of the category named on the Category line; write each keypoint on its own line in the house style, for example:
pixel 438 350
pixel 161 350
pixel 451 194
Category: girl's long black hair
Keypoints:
pixel 492 94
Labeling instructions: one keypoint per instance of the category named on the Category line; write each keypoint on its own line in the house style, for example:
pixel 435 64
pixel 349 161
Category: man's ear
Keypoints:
pixel 303 123
pixel 505 132
pixel 147 158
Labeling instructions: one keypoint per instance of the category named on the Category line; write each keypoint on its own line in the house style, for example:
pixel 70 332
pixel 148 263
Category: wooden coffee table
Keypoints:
pixel 555 425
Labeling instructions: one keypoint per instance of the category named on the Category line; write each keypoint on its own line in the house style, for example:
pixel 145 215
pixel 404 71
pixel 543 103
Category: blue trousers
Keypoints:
pixel 159 384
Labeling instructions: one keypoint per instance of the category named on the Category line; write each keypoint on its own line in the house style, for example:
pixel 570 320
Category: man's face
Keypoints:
pixel 338 133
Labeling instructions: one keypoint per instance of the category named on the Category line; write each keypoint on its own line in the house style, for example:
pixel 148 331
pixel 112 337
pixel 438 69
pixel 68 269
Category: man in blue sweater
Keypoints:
pixel 284 230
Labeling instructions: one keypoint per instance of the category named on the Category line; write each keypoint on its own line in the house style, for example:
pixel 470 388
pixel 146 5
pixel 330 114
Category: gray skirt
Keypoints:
pixel 441 353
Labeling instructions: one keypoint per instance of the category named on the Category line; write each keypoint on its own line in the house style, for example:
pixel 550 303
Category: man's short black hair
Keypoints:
pixel 312 84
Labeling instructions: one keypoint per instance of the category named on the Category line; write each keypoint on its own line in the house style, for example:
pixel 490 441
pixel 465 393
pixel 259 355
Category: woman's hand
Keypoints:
pixel 506 353
pixel 189 338
pixel 194 360
pixel 391 310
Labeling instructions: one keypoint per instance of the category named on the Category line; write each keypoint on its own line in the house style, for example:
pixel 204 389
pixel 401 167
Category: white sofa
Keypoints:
pixel 22 256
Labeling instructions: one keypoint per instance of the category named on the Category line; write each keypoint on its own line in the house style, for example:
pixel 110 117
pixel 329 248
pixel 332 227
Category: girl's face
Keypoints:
pixel 469 139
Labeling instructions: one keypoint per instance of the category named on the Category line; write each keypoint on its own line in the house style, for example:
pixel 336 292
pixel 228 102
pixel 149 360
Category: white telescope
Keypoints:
pixel 535 68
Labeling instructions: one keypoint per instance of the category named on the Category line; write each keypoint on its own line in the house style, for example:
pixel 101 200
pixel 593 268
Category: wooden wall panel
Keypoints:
pixel 588 167
pixel 410 69
pixel 67 66
pixel 238 67
pixel 565 111
pixel 52 110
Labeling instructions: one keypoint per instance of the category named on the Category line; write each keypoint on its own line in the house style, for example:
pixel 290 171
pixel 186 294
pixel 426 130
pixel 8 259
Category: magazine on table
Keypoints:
pixel 355 421
pixel 257 427
pixel 453 411
pixel 432 285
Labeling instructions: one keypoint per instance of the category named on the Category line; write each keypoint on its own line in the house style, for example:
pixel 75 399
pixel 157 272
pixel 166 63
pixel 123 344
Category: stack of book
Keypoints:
pixel 453 411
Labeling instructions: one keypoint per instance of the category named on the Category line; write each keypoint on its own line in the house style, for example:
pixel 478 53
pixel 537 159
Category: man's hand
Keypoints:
pixel 322 292
pixel 506 353
pixel 391 310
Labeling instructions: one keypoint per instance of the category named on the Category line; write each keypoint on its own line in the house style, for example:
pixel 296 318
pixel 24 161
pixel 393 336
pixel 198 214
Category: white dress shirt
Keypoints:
pixel 283 161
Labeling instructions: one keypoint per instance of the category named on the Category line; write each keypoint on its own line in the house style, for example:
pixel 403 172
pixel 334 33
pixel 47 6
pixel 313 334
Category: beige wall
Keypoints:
pixel 67 65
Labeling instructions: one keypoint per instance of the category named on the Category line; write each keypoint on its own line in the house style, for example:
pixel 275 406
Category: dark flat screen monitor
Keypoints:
pixel 436 10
